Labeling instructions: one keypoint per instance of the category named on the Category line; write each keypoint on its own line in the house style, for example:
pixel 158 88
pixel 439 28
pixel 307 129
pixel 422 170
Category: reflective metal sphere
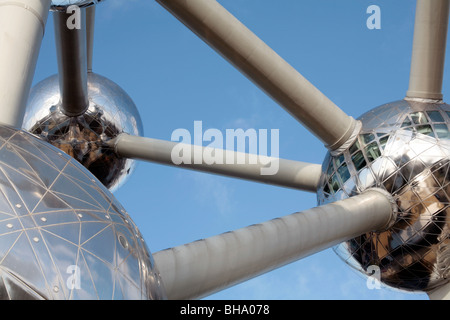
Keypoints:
pixel 62 5
pixel 403 148
pixel 111 112
pixel 62 233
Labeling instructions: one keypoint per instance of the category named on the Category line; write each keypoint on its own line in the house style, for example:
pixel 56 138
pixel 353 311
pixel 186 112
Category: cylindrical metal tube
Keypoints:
pixel 206 266
pixel 90 26
pixel 70 37
pixel 428 55
pixel 270 170
pixel 250 55
pixel 22 25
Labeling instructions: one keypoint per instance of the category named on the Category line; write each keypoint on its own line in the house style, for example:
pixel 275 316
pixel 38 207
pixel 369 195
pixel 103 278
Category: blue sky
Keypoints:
pixel 176 79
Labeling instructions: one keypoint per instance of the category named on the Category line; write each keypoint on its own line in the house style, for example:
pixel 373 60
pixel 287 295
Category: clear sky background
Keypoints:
pixel 176 79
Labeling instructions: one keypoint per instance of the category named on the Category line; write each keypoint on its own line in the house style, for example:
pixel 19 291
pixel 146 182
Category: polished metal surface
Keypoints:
pixel 71 51
pixel 403 148
pixel 111 112
pixel 63 235
pixel 62 5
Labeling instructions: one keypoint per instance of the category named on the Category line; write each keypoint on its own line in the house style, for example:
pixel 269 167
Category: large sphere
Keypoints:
pixel 403 148
pixel 85 138
pixel 62 233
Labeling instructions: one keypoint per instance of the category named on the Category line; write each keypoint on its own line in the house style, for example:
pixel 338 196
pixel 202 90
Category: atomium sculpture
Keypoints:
pixel 383 189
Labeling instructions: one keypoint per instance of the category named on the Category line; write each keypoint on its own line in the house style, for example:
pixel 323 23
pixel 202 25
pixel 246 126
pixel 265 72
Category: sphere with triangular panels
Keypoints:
pixel 403 148
pixel 63 235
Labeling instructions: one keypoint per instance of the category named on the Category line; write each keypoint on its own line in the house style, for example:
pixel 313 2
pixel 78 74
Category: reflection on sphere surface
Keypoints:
pixel 63 235
pixel 403 148
pixel 85 138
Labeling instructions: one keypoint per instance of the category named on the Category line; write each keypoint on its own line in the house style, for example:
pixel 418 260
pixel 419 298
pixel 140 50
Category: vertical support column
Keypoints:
pixel 22 26
pixel 90 26
pixel 428 55
pixel 72 61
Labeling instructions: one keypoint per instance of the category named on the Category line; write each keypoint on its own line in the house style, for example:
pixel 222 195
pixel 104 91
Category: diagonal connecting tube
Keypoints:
pixel 200 268
pixel 262 65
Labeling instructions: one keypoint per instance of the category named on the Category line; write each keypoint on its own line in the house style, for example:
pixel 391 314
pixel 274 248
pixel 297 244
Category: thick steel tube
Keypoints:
pixel 72 61
pixel 90 26
pixel 428 55
pixel 250 55
pixel 22 26
pixel 206 266
pixel 275 171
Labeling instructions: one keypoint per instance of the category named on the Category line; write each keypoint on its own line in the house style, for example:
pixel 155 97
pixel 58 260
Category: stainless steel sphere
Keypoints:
pixel 62 233
pixel 403 148
pixel 62 5
pixel 111 112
